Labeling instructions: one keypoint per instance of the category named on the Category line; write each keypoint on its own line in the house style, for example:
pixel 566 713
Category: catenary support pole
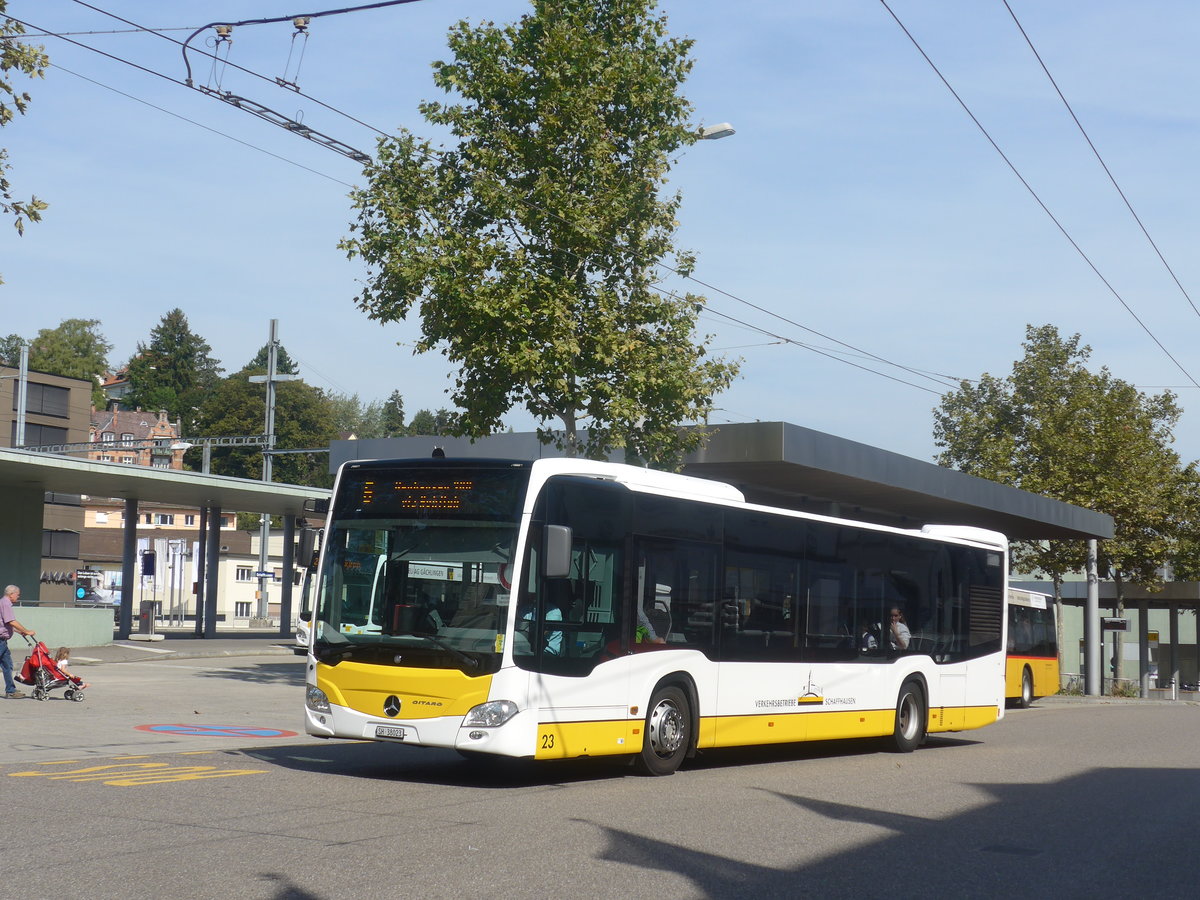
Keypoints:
pixel 1091 614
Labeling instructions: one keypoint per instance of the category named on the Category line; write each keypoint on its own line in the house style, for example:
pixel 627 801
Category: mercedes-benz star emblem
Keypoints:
pixel 391 706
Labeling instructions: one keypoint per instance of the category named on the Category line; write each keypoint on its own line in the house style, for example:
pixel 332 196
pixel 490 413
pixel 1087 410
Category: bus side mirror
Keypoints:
pixel 557 554
pixel 306 545
pixel 306 615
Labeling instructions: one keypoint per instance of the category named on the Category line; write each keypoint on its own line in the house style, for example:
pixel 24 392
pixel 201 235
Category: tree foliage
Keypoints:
pixel 173 371
pixel 26 59
pixel 391 416
pixel 75 349
pixel 427 422
pixel 303 421
pixel 10 350
pixel 283 363
pixel 352 416
pixel 530 248
pixel 1056 428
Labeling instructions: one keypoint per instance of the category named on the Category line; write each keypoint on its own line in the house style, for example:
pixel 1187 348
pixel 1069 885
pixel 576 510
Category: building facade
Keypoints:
pixel 57 411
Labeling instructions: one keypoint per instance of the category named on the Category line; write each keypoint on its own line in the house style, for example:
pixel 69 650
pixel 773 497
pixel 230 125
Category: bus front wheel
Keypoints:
pixel 1026 699
pixel 667 732
pixel 911 717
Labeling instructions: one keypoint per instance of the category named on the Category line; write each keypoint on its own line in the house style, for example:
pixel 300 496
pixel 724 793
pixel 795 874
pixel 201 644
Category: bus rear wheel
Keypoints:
pixel 667 732
pixel 1026 699
pixel 911 717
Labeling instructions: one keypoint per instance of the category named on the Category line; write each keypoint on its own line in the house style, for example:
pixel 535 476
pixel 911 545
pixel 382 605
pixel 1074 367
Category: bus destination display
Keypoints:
pixel 474 494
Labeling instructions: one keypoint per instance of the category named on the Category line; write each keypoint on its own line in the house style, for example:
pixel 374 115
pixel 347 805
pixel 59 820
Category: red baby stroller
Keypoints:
pixel 41 671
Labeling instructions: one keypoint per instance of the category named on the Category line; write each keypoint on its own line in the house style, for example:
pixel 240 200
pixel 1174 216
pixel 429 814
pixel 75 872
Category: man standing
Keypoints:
pixel 8 627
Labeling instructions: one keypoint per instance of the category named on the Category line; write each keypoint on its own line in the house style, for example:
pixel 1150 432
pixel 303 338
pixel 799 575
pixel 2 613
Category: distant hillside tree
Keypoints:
pixel 174 371
pixel 391 416
pixel 303 421
pixel 75 349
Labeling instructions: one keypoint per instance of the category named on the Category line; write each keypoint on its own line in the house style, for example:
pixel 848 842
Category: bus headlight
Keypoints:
pixel 315 699
pixel 491 714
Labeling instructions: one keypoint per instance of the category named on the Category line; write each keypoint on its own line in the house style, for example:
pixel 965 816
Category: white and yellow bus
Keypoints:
pixel 568 608
pixel 1032 668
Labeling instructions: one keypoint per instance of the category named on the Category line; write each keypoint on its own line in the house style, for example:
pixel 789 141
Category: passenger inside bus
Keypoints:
pixel 898 633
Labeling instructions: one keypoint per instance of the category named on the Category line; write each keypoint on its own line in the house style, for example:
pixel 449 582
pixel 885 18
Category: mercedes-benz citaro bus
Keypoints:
pixel 566 608
pixel 1032 669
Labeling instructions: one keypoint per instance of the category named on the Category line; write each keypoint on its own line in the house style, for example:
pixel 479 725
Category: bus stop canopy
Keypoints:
pixel 780 464
pixel 23 469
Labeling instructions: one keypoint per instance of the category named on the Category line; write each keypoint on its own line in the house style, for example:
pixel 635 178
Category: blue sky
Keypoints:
pixel 857 198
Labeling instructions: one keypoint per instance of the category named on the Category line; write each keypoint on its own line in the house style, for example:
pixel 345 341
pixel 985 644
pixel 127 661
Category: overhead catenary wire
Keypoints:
pixel 1100 159
pixel 250 106
pixel 1037 198
pixel 522 200
pixel 290 162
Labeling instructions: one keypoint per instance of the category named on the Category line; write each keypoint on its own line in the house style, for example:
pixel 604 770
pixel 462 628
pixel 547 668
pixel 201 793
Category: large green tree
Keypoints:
pixel 1056 428
pixel 75 349
pixel 391 416
pixel 303 421
pixel 531 248
pixel 426 422
pixel 352 416
pixel 174 371
pixel 26 59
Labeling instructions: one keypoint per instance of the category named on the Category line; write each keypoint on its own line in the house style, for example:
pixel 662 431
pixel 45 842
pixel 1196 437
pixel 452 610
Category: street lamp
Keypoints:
pixel 716 132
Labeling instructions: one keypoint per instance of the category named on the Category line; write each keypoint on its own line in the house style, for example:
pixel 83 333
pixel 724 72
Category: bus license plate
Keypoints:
pixel 389 731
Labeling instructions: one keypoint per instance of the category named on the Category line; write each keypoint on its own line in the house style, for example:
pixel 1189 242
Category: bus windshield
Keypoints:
pixel 417 564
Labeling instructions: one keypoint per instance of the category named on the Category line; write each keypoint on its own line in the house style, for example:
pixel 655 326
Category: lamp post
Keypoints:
pixel 716 132
pixel 22 396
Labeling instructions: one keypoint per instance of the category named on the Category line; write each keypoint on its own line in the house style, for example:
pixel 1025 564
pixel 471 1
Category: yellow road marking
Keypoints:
pixel 138 774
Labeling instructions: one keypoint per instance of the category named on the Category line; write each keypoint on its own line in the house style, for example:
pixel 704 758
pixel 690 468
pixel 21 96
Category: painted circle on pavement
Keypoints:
pixel 241 731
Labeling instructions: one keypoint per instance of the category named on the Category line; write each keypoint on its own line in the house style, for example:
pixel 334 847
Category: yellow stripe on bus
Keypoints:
pixel 565 740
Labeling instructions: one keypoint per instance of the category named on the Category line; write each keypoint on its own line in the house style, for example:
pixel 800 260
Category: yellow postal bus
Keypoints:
pixel 1032 668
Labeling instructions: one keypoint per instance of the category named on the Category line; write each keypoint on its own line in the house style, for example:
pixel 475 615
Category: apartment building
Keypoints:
pixel 57 411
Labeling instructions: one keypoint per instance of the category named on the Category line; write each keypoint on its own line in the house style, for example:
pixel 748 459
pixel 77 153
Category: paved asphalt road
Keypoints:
pixel 177 777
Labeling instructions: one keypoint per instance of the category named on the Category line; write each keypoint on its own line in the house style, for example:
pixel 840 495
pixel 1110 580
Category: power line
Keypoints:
pixel 1035 196
pixel 318 137
pixel 250 106
pixel 230 137
pixel 524 201
pixel 1099 158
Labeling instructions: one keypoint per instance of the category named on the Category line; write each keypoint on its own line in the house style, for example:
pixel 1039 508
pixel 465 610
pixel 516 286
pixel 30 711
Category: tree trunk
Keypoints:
pixel 570 434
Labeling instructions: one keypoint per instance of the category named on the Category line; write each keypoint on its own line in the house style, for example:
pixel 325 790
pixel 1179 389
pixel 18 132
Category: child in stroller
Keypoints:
pixel 47 673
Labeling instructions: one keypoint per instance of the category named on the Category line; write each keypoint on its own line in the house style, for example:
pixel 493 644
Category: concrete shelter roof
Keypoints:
pixel 780 464
pixel 66 475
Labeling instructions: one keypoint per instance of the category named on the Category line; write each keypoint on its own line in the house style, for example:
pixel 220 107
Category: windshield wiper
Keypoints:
pixel 326 652
pixel 453 651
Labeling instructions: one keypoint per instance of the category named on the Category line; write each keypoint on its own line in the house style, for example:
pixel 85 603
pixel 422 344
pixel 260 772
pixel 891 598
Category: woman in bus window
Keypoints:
pixel 898 635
